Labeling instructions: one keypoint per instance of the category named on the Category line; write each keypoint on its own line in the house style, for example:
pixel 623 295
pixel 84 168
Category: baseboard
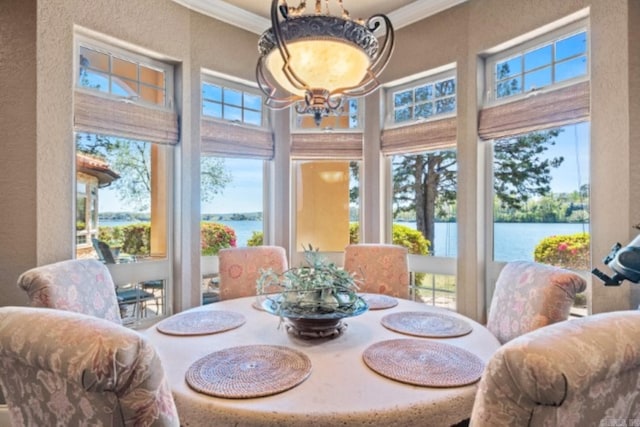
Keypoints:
pixel 4 416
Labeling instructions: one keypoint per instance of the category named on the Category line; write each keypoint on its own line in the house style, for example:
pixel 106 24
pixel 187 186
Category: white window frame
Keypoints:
pixel 530 45
pixel 357 129
pixel 431 79
pixel 120 53
pixel 226 82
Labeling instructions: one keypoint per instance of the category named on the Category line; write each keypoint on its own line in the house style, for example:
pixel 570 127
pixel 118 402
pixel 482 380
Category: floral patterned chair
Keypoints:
pixel 59 368
pixel 80 285
pixel 530 295
pixel 383 268
pixel 240 268
pixel 583 372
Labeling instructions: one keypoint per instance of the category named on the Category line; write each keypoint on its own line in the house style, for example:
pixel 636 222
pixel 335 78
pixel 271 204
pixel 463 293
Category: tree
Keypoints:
pixel 427 182
pixel 132 161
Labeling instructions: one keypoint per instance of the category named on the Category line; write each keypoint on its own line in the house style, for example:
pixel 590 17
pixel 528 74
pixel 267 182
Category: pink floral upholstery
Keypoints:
pixel 582 372
pixel 528 296
pixel 59 368
pixel 80 285
pixel 240 268
pixel 383 268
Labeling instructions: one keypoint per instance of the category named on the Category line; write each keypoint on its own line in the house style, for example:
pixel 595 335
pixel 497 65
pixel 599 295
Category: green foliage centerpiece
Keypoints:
pixel 311 299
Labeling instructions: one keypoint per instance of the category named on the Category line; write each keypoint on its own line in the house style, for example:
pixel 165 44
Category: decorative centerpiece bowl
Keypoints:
pixel 312 299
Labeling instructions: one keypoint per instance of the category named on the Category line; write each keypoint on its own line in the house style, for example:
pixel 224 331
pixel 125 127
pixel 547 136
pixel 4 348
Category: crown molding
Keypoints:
pixel 419 10
pixel 223 11
pixel 238 17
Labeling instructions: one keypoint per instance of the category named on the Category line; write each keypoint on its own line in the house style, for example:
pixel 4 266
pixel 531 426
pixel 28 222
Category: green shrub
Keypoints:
pixel 402 235
pixel 256 239
pixel 568 251
pixel 136 238
pixel 215 236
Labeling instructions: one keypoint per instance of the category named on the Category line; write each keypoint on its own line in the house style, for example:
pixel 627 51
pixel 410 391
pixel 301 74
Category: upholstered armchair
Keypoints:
pixel 59 368
pixel 582 372
pixel 79 285
pixel 530 295
pixel 383 268
pixel 240 268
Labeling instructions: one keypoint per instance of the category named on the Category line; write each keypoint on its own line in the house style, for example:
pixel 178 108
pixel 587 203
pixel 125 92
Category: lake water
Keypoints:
pixel 513 241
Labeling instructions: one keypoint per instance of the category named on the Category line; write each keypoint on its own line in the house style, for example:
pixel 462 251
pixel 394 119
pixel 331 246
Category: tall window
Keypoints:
pixel 123 172
pixel 419 140
pixel 539 195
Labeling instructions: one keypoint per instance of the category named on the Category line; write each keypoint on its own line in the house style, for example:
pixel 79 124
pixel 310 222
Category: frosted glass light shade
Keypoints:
pixel 321 64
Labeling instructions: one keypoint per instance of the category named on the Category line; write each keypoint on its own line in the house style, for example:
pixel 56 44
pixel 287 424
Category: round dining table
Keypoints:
pixel 340 390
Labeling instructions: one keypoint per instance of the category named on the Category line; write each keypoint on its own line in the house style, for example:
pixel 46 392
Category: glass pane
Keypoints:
pixel 538 58
pixel 94 80
pixel 424 93
pixel 152 94
pixel 446 88
pixel 323 208
pixel 126 88
pixel 211 92
pixel 125 69
pixel 129 177
pixel 95 60
pixel 571 46
pixel 424 110
pixel 570 69
pixel 253 117
pixel 232 113
pixel 509 87
pixel 231 197
pixel 537 79
pixel 252 102
pixel 403 98
pixel 151 77
pixel 541 197
pixel 437 172
pixel 403 114
pixel 212 109
pixel 436 289
pixel 446 105
pixel 232 97
pixel 509 68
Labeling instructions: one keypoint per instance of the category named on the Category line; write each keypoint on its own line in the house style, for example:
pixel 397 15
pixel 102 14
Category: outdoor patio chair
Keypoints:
pixel 581 372
pixel 529 295
pixel 59 368
pixel 383 268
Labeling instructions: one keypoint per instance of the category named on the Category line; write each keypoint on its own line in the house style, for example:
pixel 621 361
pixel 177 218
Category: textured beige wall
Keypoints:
pixel 18 144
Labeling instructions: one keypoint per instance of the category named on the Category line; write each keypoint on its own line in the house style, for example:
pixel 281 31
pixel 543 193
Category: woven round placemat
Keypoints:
pixel 201 322
pixel 425 324
pixel 423 363
pixel 249 371
pixel 379 301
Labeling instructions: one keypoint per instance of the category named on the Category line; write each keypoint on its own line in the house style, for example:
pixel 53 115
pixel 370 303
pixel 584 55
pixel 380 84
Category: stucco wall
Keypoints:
pixel 18 238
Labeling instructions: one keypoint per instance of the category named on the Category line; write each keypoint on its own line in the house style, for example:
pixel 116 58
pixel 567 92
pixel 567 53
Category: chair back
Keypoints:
pixel 383 268
pixel 581 372
pixel 80 285
pixel 103 251
pixel 240 268
pixel 59 368
pixel 530 295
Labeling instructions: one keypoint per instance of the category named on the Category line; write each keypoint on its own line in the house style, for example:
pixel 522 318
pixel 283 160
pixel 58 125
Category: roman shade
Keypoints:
pixel 329 145
pixel 229 139
pixel 424 136
pixel 538 111
pixel 103 115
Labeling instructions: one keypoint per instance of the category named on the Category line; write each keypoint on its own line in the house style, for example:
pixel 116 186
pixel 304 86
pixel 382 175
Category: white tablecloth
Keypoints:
pixel 341 389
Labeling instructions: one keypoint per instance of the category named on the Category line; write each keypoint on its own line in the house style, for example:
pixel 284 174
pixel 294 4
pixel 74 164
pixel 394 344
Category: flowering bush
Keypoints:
pixel 215 236
pixel 402 235
pixel 256 239
pixel 568 251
